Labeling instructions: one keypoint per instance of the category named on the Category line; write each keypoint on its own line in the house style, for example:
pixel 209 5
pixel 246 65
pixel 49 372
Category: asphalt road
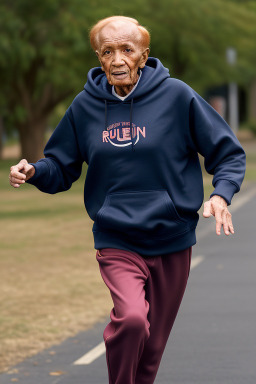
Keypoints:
pixel 213 340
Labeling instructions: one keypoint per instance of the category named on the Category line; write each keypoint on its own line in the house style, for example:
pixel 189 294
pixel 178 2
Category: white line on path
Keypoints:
pixel 92 355
pixel 100 349
pixel 196 260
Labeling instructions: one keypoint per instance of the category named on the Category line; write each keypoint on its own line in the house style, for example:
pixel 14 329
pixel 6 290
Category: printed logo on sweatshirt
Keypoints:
pixel 119 134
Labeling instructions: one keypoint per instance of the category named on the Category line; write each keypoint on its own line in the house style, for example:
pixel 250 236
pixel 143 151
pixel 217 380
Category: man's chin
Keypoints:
pixel 121 82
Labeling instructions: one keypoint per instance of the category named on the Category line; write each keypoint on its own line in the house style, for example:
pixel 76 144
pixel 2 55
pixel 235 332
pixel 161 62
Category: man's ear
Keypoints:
pixel 144 57
pixel 98 55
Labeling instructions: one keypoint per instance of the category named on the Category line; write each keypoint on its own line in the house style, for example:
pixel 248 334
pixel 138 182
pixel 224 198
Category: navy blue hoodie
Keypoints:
pixel 143 190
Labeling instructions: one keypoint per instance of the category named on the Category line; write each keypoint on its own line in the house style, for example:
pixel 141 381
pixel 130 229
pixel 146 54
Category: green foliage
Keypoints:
pixel 45 52
pixel 191 37
pixel 251 126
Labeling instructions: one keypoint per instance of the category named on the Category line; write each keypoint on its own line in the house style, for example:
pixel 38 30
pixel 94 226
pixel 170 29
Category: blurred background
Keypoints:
pixel 50 287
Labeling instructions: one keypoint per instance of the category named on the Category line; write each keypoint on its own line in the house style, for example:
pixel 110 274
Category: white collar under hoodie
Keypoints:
pixel 124 97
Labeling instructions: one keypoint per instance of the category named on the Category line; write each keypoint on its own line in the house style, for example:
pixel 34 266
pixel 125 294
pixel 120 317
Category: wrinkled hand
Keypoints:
pixel 217 207
pixel 20 173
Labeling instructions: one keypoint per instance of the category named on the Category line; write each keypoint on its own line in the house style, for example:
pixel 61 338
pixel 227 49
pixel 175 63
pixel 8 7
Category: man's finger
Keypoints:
pixel 17 175
pixel 20 165
pixel 225 224
pixel 16 168
pixel 207 209
pixel 14 180
pixel 230 224
pixel 27 168
pixel 219 221
pixel 23 161
pixel 13 184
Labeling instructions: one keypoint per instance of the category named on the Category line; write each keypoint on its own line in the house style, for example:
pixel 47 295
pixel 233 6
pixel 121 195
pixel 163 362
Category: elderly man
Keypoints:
pixel 140 132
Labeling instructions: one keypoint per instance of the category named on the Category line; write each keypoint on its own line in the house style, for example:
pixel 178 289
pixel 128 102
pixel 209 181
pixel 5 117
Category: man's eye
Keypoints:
pixel 128 50
pixel 107 52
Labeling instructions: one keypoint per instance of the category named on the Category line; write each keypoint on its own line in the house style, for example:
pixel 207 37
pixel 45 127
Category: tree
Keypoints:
pixel 191 37
pixel 44 55
pixel 45 52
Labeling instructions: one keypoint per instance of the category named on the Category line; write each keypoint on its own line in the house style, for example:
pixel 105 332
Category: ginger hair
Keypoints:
pixel 96 28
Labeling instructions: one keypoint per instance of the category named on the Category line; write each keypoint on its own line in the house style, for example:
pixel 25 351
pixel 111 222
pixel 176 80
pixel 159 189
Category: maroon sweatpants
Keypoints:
pixel 147 293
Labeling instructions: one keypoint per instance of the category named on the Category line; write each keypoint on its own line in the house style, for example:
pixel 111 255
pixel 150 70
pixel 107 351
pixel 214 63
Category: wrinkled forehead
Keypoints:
pixel 119 32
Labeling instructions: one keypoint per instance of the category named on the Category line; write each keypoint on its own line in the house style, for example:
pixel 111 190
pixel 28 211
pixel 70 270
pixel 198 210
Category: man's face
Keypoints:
pixel 121 53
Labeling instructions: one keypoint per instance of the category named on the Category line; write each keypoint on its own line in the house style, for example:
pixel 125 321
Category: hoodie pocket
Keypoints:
pixel 141 214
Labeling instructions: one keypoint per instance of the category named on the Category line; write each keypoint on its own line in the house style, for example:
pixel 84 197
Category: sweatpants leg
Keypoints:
pixel 164 289
pixel 146 293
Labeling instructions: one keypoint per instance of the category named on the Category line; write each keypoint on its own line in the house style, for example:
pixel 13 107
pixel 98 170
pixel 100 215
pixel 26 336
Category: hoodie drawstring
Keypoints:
pixel 106 119
pixel 131 123
pixel 106 112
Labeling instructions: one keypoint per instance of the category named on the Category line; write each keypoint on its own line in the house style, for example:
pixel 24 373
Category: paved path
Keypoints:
pixel 214 337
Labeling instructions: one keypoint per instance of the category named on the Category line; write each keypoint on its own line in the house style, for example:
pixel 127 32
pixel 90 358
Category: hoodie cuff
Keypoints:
pixel 41 172
pixel 225 189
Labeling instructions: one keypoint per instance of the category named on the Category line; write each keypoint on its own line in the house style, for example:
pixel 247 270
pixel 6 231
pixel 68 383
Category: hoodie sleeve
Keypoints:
pixel 63 161
pixel 215 141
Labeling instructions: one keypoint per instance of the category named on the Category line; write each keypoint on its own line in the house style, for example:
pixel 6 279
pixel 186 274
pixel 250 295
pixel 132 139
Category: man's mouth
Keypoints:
pixel 119 74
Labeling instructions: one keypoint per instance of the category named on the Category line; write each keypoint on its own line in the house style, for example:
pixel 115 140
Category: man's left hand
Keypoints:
pixel 217 207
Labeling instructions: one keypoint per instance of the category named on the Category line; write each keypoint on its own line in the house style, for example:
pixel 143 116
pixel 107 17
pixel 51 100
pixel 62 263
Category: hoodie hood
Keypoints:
pixel 152 75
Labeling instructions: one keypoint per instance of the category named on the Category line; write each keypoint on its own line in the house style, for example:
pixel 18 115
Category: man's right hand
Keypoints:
pixel 20 173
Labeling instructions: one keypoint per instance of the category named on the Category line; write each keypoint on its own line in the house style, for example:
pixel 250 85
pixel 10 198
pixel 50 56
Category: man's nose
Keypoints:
pixel 118 59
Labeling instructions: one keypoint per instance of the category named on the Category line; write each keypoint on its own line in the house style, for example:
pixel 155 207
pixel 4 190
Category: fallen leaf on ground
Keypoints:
pixel 12 371
pixel 57 373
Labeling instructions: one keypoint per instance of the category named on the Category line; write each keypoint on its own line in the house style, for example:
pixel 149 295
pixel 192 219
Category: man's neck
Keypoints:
pixel 123 92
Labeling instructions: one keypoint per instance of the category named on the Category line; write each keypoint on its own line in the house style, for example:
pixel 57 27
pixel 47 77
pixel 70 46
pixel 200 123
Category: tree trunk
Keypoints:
pixel 32 139
pixel 252 101
pixel 1 137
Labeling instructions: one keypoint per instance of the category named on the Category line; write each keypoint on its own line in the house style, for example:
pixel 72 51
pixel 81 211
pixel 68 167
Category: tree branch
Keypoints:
pixel 56 100
pixel 31 74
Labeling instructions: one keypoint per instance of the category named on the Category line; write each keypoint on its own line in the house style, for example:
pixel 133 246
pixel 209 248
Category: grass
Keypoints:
pixel 50 285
